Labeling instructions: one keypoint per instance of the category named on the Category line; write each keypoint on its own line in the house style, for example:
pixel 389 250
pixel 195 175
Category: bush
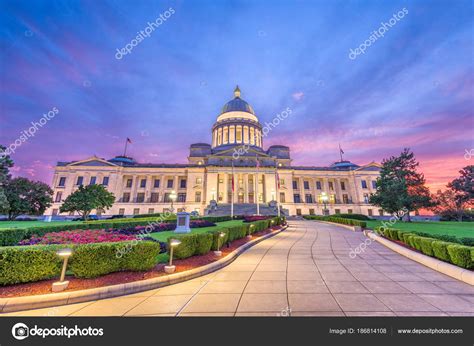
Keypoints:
pixel 440 250
pixel 405 237
pixel 354 216
pixel 426 247
pixel 334 219
pixel 460 255
pixel 217 239
pixel 186 248
pixel 25 264
pixel 92 260
pixel 203 243
pixel 38 262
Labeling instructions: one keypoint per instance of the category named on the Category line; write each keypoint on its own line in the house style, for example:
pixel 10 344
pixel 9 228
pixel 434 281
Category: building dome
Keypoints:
pixel 237 124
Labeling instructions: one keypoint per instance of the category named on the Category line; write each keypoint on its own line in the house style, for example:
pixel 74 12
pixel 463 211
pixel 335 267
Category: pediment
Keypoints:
pixel 93 162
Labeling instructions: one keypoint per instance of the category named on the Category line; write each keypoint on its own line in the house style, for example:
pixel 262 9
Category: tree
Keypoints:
pixel 5 164
pixel 453 202
pixel 400 188
pixel 26 197
pixel 85 199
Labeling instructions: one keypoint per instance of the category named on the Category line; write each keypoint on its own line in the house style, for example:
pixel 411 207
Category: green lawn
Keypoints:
pixel 163 236
pixel 26 224
pixel 452 228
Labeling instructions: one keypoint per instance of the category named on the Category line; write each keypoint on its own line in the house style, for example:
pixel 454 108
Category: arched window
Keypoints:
pixel 219 136
pixel 238 134
pixel 246 134
pixel 232 134
pixel 252 136
pixel 226 135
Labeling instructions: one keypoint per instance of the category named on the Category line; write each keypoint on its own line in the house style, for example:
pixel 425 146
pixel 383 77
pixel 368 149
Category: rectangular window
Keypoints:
pixel 308 198
pixel 282 197
pixel 337 211
pixel 62 182
pixel 343 185
pixel 198 181
pixel 167 198
pixel 296 198
pixel 364 184
pixel 80 180
pixel 140 197
pixel 143 183
pixel 105 181
pixel 55 212
pixel 182 184
pixel 374 184
pixel 154 197
pixel 282 182
pixel 59 195
pixel 331 185
pixel 345 198
pixel 366 198
pixel 349 211
pixel 298 212
pixel 295 185
pixel 197 196
pixel 318 185
pixel 136 211
pixel 181 197
pixel 306 185
pixel 311 211
pixel 369 212
pixel 126 197
pixel 129 183
pixel 156 183
pixel 93 180
pixel 151 210
pixel 381 212
pixel 169 184
pixel 122 211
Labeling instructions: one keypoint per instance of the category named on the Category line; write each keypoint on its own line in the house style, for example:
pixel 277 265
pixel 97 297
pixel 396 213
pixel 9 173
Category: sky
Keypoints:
pixel 412 87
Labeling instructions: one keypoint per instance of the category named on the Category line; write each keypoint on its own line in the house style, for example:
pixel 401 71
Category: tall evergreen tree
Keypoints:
pixel 401 187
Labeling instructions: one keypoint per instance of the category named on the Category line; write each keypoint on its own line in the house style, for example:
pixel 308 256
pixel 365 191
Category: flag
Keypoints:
pixel 340 149
pixel 129 140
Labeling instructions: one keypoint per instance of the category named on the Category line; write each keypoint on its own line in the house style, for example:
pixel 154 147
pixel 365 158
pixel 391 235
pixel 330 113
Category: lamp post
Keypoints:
pixel 324 198
pixel 170 268
pixel 218 252
pixel 249 236
pixel 173 198
pixel 61 285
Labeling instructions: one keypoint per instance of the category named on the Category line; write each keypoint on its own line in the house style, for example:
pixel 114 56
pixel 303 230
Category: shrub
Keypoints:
pixel 186 248
pixel 335 219
pixel 405 237
pixel 216 239
pixel 417 242
pixel 440 250
pixel 203 243
pixel 460 255
pixel 92 260
pixel 426 247
pixel 38 262
pixel 354 216
pixel 26 264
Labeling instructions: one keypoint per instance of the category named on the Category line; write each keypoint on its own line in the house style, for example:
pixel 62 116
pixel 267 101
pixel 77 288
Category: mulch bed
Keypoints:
pixel 44 287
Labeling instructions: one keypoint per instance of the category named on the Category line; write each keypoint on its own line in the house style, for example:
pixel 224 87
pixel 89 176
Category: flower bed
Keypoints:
pixel 253 218
pixel 77 237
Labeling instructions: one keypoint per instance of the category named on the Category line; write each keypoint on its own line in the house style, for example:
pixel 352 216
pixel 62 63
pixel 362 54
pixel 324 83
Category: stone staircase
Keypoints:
pixel 223 209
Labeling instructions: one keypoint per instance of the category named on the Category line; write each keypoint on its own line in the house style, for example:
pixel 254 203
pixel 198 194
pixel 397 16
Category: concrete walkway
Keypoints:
pixel 304 271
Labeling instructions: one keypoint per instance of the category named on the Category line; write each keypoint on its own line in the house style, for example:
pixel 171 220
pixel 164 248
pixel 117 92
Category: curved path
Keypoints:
pixel 306 270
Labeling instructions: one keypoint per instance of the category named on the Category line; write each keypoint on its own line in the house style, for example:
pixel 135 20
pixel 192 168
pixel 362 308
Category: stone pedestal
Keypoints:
pixel 170 269
pixel 60 286
pixel 218 253
pixel 182 223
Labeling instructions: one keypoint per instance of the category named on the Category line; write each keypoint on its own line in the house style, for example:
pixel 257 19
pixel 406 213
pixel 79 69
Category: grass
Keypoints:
pixel 163 236
pixel 26 224
pixel 452 228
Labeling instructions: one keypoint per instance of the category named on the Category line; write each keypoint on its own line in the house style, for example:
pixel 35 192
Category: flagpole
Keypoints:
pixel 232 198
pixel 125 150
pixel 256 189
pixel 277 183
pixel 340 151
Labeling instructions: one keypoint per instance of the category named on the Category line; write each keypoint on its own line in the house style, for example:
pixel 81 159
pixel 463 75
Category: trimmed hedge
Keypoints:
pixel 461 255
pixel 457 254
pixel 202 243
pixel 361 217
pixel 33 263
pixel 335 219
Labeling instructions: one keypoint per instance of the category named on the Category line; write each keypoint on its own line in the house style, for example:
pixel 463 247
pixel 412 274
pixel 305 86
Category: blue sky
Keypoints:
pixel 413 87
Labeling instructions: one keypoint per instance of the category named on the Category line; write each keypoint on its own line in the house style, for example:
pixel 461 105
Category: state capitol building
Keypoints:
pixel 204 184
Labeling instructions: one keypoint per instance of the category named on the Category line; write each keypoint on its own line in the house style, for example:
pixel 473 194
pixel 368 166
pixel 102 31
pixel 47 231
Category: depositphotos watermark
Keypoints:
pixel 468 154
pixel 30 132
pixel 146 32
pixel 265 131
pixel 21 331
pixel 376 34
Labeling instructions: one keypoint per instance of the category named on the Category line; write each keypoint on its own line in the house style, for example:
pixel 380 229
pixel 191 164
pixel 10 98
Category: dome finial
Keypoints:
pixel 237 91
